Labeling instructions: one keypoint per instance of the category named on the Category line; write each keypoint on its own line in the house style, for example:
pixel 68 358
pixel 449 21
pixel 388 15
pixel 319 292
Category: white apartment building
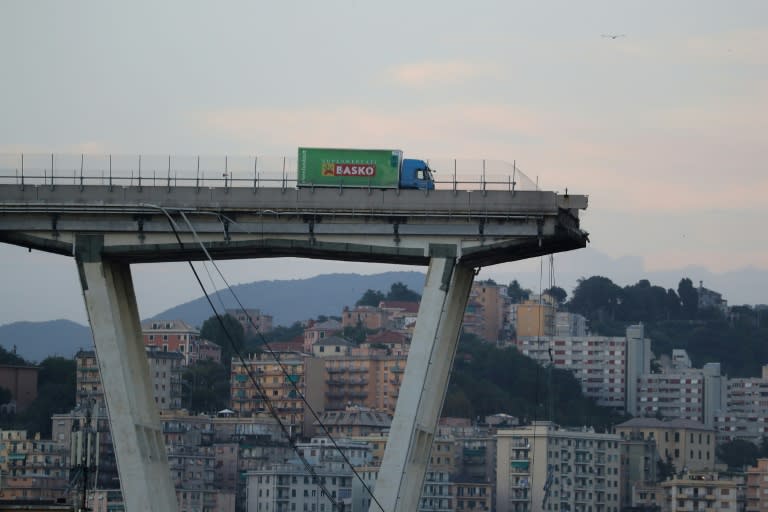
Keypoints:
pixel 689 394
pixel 745 415
pixel 570 324
pixel 438 494
pixel 322 450
pixel 165 371
pixel 291 487
pixel 541 467
pixel 607 367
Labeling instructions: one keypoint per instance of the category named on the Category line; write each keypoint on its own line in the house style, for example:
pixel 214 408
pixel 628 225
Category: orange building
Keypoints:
pixel 535 317
pixel 757 487
pixel 492 301
pixel 372 381
pixel 284 384
pixel 367 316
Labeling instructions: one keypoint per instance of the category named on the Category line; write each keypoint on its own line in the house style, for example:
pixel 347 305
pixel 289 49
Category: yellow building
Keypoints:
pixel 689 445
pixel 535 317
pixel 284 384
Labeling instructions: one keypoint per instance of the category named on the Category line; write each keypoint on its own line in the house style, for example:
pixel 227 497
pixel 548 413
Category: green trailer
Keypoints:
pixel 329 167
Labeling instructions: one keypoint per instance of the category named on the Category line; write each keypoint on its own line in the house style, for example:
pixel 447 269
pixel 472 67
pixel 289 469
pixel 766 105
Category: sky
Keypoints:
pixel 664 127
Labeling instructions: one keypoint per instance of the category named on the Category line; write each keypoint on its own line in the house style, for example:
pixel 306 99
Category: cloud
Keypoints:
pixel 657 163
pixel 435 130
pixel 427 74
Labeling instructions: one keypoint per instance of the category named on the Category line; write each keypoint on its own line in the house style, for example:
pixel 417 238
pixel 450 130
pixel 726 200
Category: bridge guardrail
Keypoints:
pixel 225 171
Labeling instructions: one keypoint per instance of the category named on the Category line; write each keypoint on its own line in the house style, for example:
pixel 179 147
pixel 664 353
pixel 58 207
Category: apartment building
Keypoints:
pixel 606 367
pixel 252 320
pixel 570 324
pixel 472 497
pixel 371 381
pixel 87 377
pixel 370 317
pixel 639 457
pixel 284 382
pixel 294 486
pixel 535 317
pixel 192 472
pixel 440 492
pixel 289 487
pixel 493 306
pixel 178 336
pixel 687 444
pixel 544 467
pixel 704 492
pixel 757 487
pixel 33 469
pixel 689 394
pixel 165 378
pixel 745 415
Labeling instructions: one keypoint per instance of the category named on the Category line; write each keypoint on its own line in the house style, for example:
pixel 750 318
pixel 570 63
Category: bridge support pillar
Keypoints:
pixel 401 477
pixel 142 461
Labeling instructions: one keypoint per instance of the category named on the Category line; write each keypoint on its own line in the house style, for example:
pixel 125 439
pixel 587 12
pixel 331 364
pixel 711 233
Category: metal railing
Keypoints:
pixel 225 171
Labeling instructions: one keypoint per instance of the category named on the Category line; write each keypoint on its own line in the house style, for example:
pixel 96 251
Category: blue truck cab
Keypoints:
pixel 416 174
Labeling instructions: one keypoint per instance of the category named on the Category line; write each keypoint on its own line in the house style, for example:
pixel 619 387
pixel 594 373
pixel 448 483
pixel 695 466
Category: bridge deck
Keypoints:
pixel 140 224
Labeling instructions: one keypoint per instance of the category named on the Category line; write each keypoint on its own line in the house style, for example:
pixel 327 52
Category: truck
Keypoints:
pixel 362 168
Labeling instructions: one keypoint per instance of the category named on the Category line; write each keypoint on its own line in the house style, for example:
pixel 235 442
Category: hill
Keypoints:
pixel 292 300
pixel 34 341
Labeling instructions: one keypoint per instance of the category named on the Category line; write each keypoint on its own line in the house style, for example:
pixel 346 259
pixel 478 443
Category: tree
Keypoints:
pixel 227 333
pixel 672 305
pixel 7 357
pixel 557 293
pixel 5 395
pixel 281 333
pixel 597 298
pixel 206 387
pixel 517 293
pixel 665 469
pixel 56 383
pixel 689 298
pixel 370 298
pixel 356 333
pixel 738 453
pixel 401 292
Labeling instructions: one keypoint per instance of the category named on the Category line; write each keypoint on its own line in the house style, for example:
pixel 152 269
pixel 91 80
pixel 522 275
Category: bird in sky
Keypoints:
pixel 613 36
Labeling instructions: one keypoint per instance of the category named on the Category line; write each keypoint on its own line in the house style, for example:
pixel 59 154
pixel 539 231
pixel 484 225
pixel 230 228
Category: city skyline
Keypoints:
pixel 662 128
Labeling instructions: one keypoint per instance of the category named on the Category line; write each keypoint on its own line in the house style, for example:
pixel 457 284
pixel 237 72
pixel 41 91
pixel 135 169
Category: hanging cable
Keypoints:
pixel 254 381
pixel 269 349
pixel 279 363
